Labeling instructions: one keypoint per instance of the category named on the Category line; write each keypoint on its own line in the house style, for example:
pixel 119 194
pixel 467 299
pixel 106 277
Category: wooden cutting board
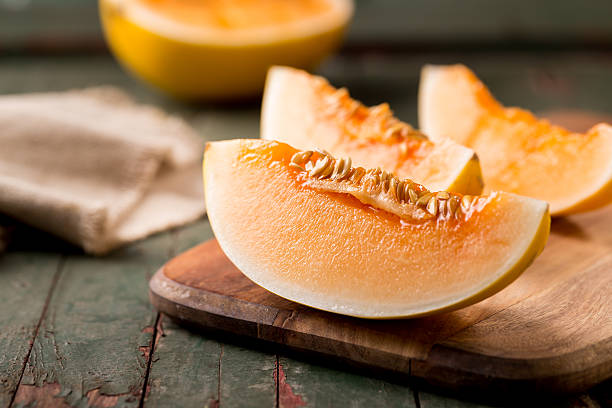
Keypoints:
pixel 551 330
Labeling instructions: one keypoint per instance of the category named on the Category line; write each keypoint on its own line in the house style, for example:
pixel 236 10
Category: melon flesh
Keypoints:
pixel 335 253
pixel 519 153
pixel 238 14
pixel 305 111
pixel 235 23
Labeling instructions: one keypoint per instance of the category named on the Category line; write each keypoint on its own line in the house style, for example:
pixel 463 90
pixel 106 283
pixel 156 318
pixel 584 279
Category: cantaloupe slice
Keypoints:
pixel 305 111
pixel 220 49
pixel 315 230
pixel 518 152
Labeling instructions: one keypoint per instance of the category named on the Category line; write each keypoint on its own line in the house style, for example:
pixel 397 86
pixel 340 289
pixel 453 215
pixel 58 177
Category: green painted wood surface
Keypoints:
pixel 247 378
pixel 93 346
pixel 429 400
pixel 537 81
pixel 25 281
pixel 304 384
pixel 206 372
pixel 74 24
pixel 193 361
pixel 95 335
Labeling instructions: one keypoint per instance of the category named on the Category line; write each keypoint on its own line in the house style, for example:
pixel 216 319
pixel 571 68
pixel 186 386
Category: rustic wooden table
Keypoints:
pixel 79 331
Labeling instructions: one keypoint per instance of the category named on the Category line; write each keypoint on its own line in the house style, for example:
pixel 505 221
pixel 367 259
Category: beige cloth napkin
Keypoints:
pixel 95 168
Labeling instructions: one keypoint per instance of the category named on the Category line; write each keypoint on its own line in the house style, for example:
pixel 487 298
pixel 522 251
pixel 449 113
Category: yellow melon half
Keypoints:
pixel 305 111
pixel 315 230
pixel 220 49
pixel 519 153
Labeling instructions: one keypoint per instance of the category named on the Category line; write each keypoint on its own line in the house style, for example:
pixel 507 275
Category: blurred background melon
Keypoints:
pixel 220 49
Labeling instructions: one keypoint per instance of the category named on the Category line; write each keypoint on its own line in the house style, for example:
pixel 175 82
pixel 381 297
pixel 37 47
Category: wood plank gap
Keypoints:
pixel 276 378
pixel 149 360
pixel 56 276
pixel 417 400
pixel 219 381
pixel 171 252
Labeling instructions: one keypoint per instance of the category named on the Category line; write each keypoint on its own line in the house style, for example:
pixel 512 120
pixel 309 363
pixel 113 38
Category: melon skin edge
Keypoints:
pixel 495 284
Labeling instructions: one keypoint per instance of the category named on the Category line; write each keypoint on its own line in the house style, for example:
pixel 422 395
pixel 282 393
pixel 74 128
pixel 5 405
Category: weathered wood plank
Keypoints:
pixel 560 80
pixel 73 24
pixel 185 365
pixel 304 384
pixel 247 378
pixel 191 370
pixel 429 400
pixel 441 22
pixel 25 282
pixel 184 370
pixel 94 340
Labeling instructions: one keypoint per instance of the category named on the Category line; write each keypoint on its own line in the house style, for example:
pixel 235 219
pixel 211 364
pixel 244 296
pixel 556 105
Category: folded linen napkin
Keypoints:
pixel 95 168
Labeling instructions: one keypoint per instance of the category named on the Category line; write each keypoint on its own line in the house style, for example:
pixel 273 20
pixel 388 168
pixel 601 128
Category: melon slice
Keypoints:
pixel 318 231
pixel 518 152
pixel 305 111
pixel 220 49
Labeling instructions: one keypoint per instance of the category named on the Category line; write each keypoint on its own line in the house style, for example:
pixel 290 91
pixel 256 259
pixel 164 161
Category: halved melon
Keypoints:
pixel 305 111
pixel 220 49
pixel 315 230
pixel 518 152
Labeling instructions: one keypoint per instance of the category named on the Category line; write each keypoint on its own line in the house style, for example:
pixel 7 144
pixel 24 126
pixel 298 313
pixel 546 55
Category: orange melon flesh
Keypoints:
pixel 237 14
pixel 236 22
pixel 519 153
pixel 332 252
pixel 305 111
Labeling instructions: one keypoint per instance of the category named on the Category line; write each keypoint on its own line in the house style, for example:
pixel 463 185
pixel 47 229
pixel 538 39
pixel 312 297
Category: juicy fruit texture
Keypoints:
pixel 518 152
pixel 315 230
pixel 305 111
pixel 237 14
pixel 218 49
